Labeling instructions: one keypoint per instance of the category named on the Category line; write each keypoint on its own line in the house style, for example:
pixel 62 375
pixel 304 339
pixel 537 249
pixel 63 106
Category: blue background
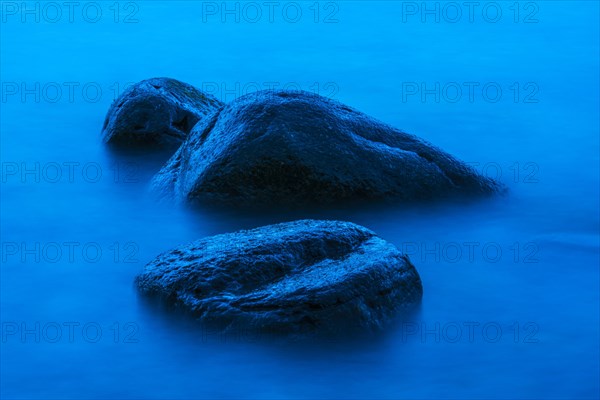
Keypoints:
pixel 542 144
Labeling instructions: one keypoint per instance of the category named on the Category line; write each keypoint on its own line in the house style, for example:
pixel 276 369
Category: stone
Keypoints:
pixel 300 277
pixel 298 148
pixel 158 112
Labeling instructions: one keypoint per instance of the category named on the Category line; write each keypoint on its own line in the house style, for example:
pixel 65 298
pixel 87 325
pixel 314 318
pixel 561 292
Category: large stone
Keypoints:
pixel 297 277
pixel 156 112
pixel 290 147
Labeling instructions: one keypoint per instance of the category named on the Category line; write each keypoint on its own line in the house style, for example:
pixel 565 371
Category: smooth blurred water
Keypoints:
pixel 541 291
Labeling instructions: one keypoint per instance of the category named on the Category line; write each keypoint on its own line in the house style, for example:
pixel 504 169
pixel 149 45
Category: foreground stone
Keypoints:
pixel 157 112
pixel 296 277
pixel 287 147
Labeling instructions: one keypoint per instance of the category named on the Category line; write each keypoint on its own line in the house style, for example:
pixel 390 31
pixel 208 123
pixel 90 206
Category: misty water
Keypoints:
pixel 511 284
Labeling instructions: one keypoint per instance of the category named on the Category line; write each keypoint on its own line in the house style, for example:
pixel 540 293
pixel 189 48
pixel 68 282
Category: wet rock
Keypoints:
pixel 291 147
pixel 297 277
pixel 156 112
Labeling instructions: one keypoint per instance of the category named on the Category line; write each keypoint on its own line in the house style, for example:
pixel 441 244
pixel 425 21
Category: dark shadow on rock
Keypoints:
pixel 176 318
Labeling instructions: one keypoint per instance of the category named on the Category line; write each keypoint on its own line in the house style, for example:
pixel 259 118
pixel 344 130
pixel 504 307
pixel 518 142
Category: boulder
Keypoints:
pixel 296 277
pixel 294 147
pixel 156 112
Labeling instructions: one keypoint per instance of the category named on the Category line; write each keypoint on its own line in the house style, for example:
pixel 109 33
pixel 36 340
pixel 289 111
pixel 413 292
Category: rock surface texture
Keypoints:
pixel 291 147
pixel 156 112
pixel 297 277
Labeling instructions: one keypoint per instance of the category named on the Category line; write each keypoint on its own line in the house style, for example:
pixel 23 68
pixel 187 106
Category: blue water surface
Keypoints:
pixel 511 285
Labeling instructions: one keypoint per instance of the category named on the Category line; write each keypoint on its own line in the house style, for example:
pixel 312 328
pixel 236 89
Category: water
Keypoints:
pixel 541 290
